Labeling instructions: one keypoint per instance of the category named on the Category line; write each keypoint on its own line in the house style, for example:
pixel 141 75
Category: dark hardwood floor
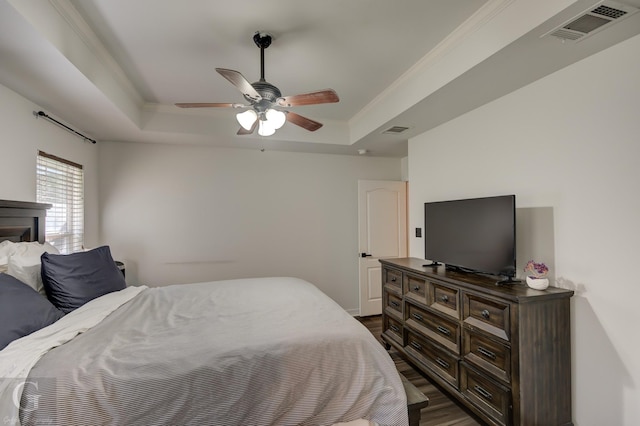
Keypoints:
pixel 442 409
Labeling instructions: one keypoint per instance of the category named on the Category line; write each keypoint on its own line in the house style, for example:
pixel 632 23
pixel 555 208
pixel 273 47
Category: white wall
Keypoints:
pixel 568 146
pixel 22 136
pixel 180 214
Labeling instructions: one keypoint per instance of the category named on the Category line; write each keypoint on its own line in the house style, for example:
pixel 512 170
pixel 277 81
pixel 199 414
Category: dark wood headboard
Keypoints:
pixel 22 220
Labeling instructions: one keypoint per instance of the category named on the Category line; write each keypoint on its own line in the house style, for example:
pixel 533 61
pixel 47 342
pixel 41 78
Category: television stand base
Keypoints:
pixel 508 281
pixel 427 265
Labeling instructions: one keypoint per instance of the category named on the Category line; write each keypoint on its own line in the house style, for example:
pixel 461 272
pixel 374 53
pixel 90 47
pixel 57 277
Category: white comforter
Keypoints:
pixel 17 359
pixel 239 352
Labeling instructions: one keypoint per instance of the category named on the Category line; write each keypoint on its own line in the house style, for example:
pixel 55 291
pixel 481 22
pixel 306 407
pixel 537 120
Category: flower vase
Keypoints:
pixel 537 283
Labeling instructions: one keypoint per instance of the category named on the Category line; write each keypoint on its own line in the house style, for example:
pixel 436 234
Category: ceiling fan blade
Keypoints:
pixel 208 105
pixel 320 97
pixel 304 122
pixel 242 131
pixel 241 83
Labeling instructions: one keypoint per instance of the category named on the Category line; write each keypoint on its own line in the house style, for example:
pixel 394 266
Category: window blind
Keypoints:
pixel 61 183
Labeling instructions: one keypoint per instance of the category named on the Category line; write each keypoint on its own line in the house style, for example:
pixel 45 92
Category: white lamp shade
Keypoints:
pixel 265 128
pixel 276 118
pixel 247 118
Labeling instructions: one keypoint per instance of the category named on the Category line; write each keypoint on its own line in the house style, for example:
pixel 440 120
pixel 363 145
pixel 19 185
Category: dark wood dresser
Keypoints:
pixel 503 351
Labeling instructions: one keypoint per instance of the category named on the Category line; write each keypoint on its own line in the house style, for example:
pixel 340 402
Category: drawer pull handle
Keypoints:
pixel 445 298
pixel 485 314
pixel 394 328
pixel 444 331
pixel 393 280
pixel 486 352
pixel 416 345
pixel 483 393
pixel 396 304
pixel 416 288
pixel 417 316
pixel 442 363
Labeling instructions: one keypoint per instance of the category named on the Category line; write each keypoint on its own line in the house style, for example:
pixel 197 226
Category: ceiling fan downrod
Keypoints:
pixel 262 40
pixel 267 91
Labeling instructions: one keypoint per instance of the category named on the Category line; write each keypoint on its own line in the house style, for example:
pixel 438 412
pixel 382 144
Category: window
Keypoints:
pixel 61 183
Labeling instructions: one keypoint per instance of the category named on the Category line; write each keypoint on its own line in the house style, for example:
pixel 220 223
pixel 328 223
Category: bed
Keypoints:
pixel 238 352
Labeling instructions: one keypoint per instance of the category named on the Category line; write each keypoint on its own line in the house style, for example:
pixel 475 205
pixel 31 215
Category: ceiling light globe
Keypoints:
pixel 247 118
pixel 276 118
pixel 265 128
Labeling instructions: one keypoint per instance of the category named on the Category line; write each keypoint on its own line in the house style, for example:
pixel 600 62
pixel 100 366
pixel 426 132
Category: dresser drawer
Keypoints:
pixel 393 329
pixel 415 287
pixel 393 303
pixel 488 396
pixel 392 278
pixel 445 299
pixel 490 355
pixel 438 360
pixel 442 331
pixel 487 314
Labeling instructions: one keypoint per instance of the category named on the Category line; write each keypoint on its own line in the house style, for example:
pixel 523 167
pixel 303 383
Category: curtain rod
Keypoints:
pixel 44 115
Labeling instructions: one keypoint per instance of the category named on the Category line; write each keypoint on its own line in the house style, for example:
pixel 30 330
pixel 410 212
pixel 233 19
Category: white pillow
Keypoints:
pixel 33 248
pixel 6 249
pixel 27 270
pixel 24 262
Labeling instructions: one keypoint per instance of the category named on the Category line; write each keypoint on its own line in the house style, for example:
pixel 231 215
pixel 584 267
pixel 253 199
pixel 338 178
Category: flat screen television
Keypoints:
pixel 475 235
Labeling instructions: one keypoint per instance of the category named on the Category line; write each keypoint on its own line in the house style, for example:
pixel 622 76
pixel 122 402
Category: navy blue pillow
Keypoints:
pixel 22 310
pixel 71 280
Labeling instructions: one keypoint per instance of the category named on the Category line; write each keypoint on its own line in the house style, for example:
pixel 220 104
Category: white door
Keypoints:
pixel 382 232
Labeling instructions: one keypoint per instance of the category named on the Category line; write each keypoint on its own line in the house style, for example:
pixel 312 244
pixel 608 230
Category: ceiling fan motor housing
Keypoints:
pixel 269 94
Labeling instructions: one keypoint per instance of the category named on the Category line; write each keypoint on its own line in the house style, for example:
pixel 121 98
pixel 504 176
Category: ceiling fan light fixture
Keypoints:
pixel 275 118
pixel 265 128
pixel 247 118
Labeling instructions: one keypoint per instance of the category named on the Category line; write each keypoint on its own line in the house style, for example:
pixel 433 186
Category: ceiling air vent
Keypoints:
pixel 395 130
pixel 596 18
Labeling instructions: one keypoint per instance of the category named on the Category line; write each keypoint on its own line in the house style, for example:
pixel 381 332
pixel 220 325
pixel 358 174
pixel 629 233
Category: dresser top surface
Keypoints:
pixel 487 284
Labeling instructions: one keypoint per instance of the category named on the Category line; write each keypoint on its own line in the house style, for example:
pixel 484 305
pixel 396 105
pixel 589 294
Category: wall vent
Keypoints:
pixel 395 130
pixel 593 20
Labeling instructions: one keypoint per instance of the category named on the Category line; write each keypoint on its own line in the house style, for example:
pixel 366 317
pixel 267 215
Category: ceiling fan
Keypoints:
pixel 265 100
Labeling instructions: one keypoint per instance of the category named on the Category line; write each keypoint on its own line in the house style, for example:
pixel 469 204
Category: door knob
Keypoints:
pixel 365 255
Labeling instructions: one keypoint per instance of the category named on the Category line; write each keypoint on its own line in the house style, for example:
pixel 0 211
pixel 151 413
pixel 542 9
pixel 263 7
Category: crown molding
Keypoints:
pixel 463 32
pixel 86 34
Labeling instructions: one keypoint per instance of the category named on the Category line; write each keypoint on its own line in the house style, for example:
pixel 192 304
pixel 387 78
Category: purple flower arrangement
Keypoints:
pixel 536 270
